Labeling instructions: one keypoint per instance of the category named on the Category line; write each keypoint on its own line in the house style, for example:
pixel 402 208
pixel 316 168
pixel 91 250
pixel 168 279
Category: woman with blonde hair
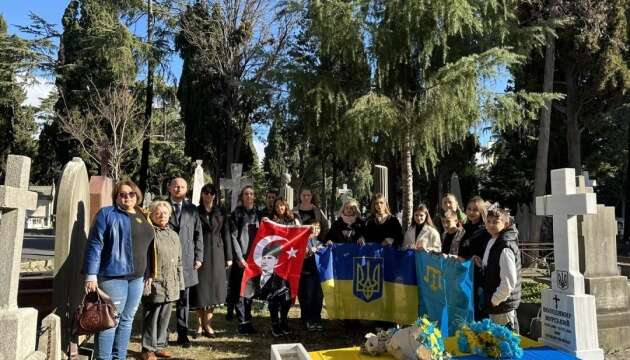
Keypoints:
pixel 166 286
pixel 422 234
pixel 349 226
pixel 382 227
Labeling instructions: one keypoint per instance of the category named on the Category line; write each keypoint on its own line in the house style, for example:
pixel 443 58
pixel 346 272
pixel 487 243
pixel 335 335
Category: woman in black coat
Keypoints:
pixel 349 227
pixel 211 290
pixel 382 227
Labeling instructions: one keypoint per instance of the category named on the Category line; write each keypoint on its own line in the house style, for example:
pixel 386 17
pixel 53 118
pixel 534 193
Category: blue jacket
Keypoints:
pixel 109 251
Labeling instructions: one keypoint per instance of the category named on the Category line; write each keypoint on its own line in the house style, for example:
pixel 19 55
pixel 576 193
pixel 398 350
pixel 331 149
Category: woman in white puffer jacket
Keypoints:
pixel 421 234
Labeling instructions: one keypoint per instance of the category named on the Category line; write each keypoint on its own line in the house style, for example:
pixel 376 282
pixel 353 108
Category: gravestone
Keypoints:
pixel 235 184
pixel 198 183
pixel 345 193
pixel 568 314
pixel 456 190
pixel 101 188
pixel 381 181
pixel 286 191
pixel 50 337
pixel 148 199
pixel 18 326
pixel 523 220
pixel 597 236
pixel 72 228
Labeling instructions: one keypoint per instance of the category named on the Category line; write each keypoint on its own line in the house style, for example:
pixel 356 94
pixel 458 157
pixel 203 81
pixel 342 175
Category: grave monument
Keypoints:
pixel 198 183
pixel 597 235
pixel 344 193
pixel 381 181
pixel 101 188
pixel 287 191
pixel 72 228
pixel 18 326
pixel 235 184
pixel 569 322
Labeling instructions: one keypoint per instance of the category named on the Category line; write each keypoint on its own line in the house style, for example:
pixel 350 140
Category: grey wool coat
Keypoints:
pixel 188 227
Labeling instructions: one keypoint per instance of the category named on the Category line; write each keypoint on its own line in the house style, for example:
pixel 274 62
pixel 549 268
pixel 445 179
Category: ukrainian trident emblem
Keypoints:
pixel 367 278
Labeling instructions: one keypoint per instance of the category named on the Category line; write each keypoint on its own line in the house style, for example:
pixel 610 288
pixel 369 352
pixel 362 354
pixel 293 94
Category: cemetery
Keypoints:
pixel 316 179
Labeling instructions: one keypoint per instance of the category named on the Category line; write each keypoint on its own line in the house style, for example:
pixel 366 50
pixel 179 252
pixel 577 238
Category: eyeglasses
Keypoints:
pixel 124 195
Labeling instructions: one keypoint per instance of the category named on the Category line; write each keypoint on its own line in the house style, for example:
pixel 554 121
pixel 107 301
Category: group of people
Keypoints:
pixel 177 252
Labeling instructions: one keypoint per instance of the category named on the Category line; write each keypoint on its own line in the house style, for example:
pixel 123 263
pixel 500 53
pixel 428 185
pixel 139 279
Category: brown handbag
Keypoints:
pixel 96 313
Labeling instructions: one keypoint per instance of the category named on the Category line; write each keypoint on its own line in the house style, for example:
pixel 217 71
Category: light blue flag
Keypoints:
pixel 445 290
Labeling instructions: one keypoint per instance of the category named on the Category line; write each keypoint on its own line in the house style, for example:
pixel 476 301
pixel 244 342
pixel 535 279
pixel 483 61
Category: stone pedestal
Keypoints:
pixel 569 323
pixel 597 236
pixel 50 339
pixel 18 331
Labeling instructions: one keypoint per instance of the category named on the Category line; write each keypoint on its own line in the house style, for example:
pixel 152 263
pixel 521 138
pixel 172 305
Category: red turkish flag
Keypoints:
pixel 277 249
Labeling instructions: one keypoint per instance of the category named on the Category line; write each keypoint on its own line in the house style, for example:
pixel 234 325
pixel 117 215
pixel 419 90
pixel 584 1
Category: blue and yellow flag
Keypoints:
pixel 369 282
pixel 445 289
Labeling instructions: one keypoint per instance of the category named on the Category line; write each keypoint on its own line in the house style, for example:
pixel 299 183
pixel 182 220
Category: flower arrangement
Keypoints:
pixel 430 337
pixel 488 338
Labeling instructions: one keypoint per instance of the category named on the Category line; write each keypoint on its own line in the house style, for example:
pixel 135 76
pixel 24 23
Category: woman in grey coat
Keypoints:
pixel 166 286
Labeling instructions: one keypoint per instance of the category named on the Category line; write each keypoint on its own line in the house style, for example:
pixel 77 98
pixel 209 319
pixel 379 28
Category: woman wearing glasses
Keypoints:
pixel 120 259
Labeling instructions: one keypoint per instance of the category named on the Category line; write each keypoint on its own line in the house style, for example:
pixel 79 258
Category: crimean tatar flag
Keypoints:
pixel 445 288
pixel 277 250
pixel 369 282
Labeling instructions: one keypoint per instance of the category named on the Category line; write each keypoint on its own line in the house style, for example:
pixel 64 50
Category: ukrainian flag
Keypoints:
pixel 369 282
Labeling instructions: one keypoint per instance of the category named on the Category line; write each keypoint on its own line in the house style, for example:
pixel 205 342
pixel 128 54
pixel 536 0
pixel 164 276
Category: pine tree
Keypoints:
pixel 428 69
pixel 95 52
pixel 16 121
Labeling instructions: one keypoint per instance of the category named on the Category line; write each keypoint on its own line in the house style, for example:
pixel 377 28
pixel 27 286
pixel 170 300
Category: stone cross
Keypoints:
pixel 569 320
pixel 15 199
pixel 235 184
pixel 198 183
pixel 564 204
pixel 344 192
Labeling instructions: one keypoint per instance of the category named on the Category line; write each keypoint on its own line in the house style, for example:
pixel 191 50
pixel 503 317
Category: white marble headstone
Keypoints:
pixel 568 315
pixel 198 182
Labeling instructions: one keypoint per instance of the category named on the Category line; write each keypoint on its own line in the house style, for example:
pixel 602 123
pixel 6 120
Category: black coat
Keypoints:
pixel 340 232
pixel 212 289
pixel 376 233
pixel 188 227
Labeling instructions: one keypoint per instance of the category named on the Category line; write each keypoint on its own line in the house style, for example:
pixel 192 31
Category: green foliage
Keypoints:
pixel 16 120
pixel 96 51
pixel 531 292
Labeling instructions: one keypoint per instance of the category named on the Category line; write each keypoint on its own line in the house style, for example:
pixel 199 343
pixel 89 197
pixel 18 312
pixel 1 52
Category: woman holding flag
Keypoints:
pixel 244 223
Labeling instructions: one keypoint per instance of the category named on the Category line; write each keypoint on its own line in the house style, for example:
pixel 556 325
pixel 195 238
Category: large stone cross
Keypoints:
pixel 564 204
pixel 235 184
pixel 344 192
pixel 15 199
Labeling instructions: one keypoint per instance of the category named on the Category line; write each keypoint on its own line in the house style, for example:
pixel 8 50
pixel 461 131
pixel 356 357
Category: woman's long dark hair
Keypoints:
pixel 288 213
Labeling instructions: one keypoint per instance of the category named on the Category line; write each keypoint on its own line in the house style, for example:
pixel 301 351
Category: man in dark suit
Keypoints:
pixel 185 222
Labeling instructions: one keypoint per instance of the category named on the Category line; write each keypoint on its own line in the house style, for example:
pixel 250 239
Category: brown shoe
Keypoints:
pixel 163 354
pixel 149 355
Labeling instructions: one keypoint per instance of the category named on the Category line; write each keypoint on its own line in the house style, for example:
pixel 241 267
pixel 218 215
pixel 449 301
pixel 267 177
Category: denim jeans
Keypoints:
pixel 125 293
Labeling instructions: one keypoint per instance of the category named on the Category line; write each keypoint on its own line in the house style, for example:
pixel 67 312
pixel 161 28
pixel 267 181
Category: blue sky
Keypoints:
pixel 16 12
